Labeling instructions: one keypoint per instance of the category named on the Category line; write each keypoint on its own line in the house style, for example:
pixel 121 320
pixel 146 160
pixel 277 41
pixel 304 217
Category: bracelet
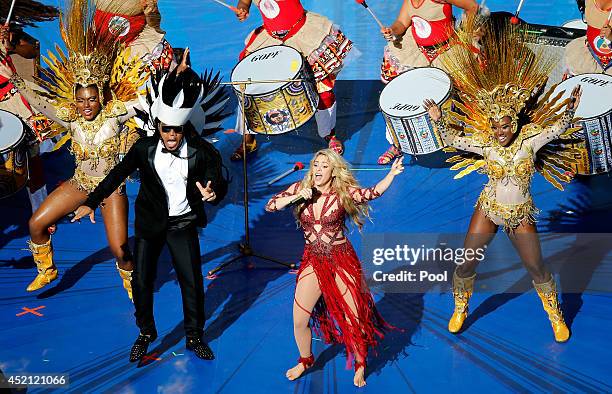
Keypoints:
pixel 18 82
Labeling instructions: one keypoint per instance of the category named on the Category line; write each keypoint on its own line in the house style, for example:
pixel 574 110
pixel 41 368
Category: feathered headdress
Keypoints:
pixel 505 80
pixel 92 59
pixel 504 77
pixel 177 98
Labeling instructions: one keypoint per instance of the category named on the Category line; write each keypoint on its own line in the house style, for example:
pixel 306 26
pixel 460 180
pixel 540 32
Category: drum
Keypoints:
pixel 401 103
pixel 595 111
pixel 279 107
pixel 575 24
pixel 13 154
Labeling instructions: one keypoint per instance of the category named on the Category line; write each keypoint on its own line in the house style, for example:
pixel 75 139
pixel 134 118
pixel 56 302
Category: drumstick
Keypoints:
pixel 10 14
pixel 225 5
pixel 515 20
pixel 365 5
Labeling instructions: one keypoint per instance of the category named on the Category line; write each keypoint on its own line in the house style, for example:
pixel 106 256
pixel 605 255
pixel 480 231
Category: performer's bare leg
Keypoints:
pixel 307 293
pixel 359 378
pixel 527 243
pixel 63 200
pixel 115 212
pixel 480 232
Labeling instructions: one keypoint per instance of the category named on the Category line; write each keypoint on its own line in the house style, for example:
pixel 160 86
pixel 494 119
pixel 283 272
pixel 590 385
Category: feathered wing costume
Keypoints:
pixel 91 59
pixel 505 80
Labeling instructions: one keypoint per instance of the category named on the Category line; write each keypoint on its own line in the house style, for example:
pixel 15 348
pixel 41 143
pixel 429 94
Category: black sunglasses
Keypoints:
pixel 176 129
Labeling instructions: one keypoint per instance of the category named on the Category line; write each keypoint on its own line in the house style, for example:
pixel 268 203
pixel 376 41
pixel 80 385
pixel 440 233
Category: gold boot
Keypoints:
pixel 548 294
pixel 127 280
pixel 43 257
pixel 463 288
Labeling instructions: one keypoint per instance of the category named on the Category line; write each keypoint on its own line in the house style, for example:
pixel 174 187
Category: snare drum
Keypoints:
pixel 13 154
pixel 279 107
pixel 575 24
pixel 595 110
pixel 401 103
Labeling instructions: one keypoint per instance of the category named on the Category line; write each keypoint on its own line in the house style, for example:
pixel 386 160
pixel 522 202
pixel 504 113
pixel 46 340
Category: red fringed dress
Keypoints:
pixel 333 260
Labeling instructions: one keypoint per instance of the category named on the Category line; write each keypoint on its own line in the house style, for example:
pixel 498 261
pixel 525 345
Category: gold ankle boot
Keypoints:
pixel 43 257
pixel 463 288
pixel 127 280
pixel 548 294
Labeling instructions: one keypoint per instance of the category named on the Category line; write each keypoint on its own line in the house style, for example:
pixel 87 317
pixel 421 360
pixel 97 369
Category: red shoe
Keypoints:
pixel 392 153
pixel 335 145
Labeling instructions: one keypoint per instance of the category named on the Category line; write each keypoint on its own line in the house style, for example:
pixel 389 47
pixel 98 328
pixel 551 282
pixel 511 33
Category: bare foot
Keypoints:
pixel 295 372
pixel 359 379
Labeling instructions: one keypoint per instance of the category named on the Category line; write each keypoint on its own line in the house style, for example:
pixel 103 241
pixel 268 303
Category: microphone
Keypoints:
pixel 300 199
pixel 298 166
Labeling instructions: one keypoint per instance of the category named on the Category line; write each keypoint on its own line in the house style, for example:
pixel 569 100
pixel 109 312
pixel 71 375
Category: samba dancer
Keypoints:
pixel 507 132
pixel 330 289
pixel 321 43
pixel 593 53
pixel 179 171
pixel 15 42
pixel 75 99
pixel 428 42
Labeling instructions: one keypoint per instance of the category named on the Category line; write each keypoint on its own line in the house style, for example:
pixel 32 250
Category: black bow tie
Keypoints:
pixel 177 153
pixel 172 152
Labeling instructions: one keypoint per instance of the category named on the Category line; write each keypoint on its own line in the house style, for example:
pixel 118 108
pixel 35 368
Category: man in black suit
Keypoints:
pixel 179 171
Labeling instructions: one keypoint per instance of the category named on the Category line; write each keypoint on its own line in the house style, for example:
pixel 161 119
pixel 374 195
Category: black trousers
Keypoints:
pixel 181 237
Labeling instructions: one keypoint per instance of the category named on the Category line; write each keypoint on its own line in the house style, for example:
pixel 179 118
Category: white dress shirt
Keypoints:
pixel 172 171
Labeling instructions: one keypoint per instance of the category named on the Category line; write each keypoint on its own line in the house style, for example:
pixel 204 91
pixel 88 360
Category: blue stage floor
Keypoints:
pixel 87 325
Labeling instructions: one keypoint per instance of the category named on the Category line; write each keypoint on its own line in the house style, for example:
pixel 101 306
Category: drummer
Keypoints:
pixel 137 23
pixel 14 41
pixel 593 53
pixel 431 26
pixel 322 44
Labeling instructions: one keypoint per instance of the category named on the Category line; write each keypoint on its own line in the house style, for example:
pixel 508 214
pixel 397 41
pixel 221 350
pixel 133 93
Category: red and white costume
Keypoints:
pixel 323 45
pixel 334 260
pixel 590 54
pixel 126 21
pixel 37 125
pixel 425 43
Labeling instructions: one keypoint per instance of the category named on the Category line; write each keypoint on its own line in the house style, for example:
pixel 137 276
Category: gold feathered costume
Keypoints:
pixel 505 80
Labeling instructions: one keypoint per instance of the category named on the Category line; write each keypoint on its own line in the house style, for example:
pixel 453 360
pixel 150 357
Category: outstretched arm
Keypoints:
pixel 461 143
pixel 131 107
pixel 367 194
pixel 109 184
pixel 553 132
pixel 469 6
pixel 281 200
pixel 243 7
pixel 400 25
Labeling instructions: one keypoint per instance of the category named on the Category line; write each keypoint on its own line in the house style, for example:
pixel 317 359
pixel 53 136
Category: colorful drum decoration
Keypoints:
pixel 595 113
pixel 401 103
pixel 276 107
pixel 13 154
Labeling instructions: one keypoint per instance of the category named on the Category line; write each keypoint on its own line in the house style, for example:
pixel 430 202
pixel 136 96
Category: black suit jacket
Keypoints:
pixel 151 205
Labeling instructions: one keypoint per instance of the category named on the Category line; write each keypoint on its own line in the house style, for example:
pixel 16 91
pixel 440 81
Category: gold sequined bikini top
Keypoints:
pixel 522 169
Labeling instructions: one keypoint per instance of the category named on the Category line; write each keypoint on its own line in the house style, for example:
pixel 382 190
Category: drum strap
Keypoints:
pixel 605 62
pixel 287 34
pixel 431 52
